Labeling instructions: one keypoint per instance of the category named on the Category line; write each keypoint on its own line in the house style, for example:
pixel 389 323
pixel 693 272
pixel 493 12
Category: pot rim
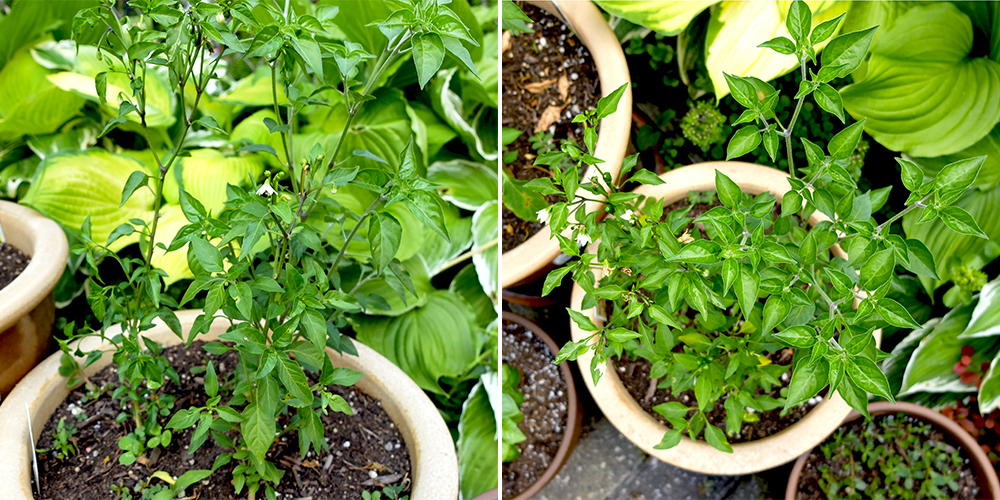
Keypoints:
pixel 45 242
pixel 433 461
pixel 986 476
pixel 524 260
pixel 574 414
pixel 643 429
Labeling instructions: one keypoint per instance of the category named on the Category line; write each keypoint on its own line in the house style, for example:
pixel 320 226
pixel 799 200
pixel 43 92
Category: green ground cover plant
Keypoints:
pixel 704 309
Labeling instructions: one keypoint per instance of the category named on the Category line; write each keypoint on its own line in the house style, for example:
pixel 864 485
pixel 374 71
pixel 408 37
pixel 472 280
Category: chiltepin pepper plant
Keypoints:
pixel 705 307
pixel 261 264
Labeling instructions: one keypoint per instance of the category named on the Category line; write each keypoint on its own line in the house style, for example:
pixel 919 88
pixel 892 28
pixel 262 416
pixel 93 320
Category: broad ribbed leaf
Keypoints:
pixel 930 366
pixel 467 184
pixel 927 98
pixel 485 226
pixel 985 321
pixel 667 18
pixel 29 103
pixel 205 174
pixel 477 442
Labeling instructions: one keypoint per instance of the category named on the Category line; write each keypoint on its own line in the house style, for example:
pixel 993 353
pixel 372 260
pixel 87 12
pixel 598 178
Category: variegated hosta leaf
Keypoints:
pixel 895 366
pixel 205 174
pixel 985 320
pixel 159 99
pixel 393 304
pixel 73 185
pixel 485 227
pixel 477 439
pixel 668 18
pixel 435 252
pixel 467 184
pixel 989 389
pixel 29 103
pixel 927 98
pixel 735 30
pixel 930 366
pixel 449 106
pixel 439 339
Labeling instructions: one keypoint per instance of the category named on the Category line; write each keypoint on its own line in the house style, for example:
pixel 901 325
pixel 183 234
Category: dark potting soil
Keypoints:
pixel 12 263
pixel 366 449
pixel 809 488
pixel 545 407
pixel 548 78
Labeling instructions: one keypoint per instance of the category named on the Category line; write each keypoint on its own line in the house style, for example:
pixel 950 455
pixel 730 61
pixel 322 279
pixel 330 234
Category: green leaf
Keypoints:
pixel 426 207
pixel 775 311
pixel 670 439
pixel 745 140
pixel 825 30
pixel 877 269
pixel 988 146
pixel 848 51
pixel 989 390
pixel 717 438
pixel 808 377
pixel 485 226
pixel 478 463
pixel 583 321
pixel 961 222
pixel 383 236
pixel 746 286
pixel 797 336
pixel 480 139
pixel 206 173
pixel 869 377
pixel 208 255
pixel 294 380
pixel 258 430
pixel 955 178
pixel 29 102
pixel 901 94
pixel 525 203
pixel 930 367
pixel 467 184
pixel 211 380
pixel 428 54
pixel 895 314
pixel 843 144
pixel 309 50
pixel 799 21
pixel 729 192
pixel 608 104
pixel 646 177
pixel 829 99
pixel 781 45
pixel 437 340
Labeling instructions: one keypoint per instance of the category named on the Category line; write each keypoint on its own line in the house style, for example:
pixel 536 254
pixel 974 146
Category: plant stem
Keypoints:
pixel 795 116
pixel 368 211
pixel 894 218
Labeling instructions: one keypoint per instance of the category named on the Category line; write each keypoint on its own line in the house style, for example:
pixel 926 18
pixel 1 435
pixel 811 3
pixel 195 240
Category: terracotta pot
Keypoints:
pixel 434 466
pixel 27 308
pixel 493 494
pixel 574 414
pixel 989 487
pixel 586 21
pixel 642 428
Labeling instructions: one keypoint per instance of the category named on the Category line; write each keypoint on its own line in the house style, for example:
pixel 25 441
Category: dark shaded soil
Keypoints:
pixel 809 488
pixel 545 407
pixel 361 445
pixel 12 263
pixel 552 53
pixel 634 373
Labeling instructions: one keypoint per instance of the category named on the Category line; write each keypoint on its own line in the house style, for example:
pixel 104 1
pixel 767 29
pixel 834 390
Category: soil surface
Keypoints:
pixel 548 78
pixel 12 263
pixel 366 449
pixel 545 407
pixel 809 488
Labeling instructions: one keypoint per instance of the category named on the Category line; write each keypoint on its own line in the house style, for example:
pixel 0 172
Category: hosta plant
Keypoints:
pixel 260 263
pixel 706 303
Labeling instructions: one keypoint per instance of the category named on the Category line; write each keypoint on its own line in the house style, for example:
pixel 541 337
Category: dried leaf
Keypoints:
pixel 549 117
pixel 564 87
pixel 539 87
pixel 506 41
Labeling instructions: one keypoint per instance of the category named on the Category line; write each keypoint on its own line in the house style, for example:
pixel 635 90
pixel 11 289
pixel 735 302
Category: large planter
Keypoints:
pixel 529 259
pixel 989 487
pixel 643 429
pixel 434 466
pixel 27 308
pixel 574 414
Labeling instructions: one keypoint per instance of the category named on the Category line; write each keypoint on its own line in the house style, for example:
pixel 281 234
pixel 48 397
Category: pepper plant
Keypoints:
pixel 260 263
pixel 706 306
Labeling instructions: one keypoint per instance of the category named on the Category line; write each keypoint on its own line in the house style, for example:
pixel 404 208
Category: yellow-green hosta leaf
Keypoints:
pixel 735 30
pixel 988 146
pixel 206 173
pixel 253 130
pixel 254 90
pixel 485 227
pixel 29 103
pixel 668 18
pixel 922 95
pixel 439 339
pixel 396 306
pixel 73 185
pixel 159 98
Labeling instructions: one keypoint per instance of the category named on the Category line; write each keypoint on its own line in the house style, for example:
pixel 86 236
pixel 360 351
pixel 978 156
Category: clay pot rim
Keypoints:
pixel 49 250
pixel 433 459
pixel 986 476
pixel 523 261
pixel 643 429
pixel 574 414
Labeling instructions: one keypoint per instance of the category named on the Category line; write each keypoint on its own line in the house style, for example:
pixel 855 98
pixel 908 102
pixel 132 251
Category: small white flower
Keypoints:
pixel 220 18
pixel 583 239
pixel 628 216
pixel 266 190
pixel 543 216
